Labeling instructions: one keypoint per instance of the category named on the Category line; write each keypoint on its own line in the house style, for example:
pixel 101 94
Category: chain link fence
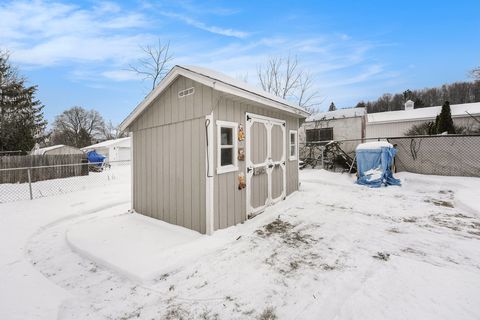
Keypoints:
pixel 447 155
pixel 42 181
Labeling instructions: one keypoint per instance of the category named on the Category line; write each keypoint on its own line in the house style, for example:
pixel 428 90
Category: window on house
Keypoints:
pixel 293 145
pixel 227 146
pixel 320 134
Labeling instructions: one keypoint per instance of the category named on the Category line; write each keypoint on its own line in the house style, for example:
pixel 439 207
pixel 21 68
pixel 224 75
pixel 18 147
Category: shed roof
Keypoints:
pixel 109 143
pixel 42 151
pixel 458 110
pixel 337 114
pixel 220 82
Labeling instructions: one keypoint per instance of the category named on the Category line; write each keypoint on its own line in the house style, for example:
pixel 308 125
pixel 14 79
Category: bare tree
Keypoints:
pixel 77 127
pixel 284 77
pixel 155 65
pixel 475 73
pixel 111 131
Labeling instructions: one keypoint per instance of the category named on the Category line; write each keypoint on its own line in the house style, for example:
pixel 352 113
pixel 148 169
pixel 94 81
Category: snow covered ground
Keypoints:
pixel 333 250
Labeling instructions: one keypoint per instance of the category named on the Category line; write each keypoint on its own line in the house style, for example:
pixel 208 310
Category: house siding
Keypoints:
pixel 169 156
pixel 229 202
pixel 343 129
pixel 399 129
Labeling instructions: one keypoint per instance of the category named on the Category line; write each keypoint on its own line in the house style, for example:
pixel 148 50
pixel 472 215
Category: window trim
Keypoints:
pixel 231 167
pixel 295 156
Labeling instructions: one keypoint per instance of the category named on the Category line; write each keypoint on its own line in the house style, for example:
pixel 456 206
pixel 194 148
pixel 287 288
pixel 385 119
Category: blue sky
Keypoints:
pixel 78 52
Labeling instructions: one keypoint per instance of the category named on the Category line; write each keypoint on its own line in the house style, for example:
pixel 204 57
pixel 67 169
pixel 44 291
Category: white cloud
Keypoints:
pixel 121 75
pixel 40 33
pixel 201 25
pixel 97 42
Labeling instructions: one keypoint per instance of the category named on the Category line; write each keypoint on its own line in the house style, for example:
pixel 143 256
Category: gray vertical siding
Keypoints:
pixel 168 108
pixel 229 202
pixel 169 156
pixel 169 173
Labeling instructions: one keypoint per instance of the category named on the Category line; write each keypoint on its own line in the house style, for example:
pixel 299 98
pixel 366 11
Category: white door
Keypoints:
pixel 265 162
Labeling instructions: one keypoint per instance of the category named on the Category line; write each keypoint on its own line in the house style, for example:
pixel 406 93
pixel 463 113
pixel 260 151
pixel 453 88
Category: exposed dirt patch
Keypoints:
pixel 284 230
pixel 414 251
pixel 382 256
pixel 176 312
pixel 393 230
pixel 440 203
pixel 268 314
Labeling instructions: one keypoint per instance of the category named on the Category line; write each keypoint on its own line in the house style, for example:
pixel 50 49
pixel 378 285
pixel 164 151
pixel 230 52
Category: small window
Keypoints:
pixel 322 134
pixel 293 145
pixel 227 146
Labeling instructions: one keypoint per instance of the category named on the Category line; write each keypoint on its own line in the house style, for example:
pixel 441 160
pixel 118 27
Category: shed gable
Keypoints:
pixel 173 106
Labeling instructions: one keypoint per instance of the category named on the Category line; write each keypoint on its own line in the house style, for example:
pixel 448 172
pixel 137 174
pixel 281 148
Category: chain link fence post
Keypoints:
pixel 30 182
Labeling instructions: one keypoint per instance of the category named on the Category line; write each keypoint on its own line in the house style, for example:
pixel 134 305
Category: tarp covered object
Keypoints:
pixel 94 157
pixel 374 162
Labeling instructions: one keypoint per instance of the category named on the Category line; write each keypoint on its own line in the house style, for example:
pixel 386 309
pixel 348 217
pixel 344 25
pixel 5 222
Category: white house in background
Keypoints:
pixel 397 123
pixel 113 150
pixel 56 150
pixel 342 124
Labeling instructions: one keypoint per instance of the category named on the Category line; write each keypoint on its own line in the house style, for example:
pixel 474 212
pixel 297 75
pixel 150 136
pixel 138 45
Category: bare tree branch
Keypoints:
pixel 285 78
pixel 475 73
pixel 155 65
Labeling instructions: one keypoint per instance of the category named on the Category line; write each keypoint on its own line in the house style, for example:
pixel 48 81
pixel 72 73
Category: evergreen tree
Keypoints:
pixel 332 107
pixel 445 122
pixel 361 104
pixel 21 118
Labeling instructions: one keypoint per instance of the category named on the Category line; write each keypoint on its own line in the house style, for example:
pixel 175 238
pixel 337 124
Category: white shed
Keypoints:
pixel 113 150
pixel 56 150
pixel 341 124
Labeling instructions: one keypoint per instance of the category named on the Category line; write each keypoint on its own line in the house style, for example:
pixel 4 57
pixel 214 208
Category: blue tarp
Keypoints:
pixel 94 157
pixel 374 165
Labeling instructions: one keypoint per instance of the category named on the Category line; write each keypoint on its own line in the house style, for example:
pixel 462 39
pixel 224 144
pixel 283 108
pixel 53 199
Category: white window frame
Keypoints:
pixel 290 145
pixel 231 167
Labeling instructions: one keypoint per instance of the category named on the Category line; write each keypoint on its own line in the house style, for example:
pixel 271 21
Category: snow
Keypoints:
pixel 333 250
pixel 337 114
pixel 146 241
pixel 45 188
pixel 374 145
pixel 374 174
pixel 458 110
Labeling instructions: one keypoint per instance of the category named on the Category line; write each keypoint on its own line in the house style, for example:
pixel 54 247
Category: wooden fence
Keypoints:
pixel 43 167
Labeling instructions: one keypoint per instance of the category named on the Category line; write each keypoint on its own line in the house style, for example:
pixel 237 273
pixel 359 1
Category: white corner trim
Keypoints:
pixel 210 174
pixel 295 156
pixel 131 173
pixel 234 126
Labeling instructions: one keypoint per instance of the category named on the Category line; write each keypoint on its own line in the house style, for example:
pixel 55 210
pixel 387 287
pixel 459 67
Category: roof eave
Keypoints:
pixel 217 85
pixel 421 119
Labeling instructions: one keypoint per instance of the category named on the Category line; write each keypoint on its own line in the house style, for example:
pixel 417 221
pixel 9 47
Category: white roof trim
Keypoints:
pixel 223 85
pixel 108 143
pixel 423 114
